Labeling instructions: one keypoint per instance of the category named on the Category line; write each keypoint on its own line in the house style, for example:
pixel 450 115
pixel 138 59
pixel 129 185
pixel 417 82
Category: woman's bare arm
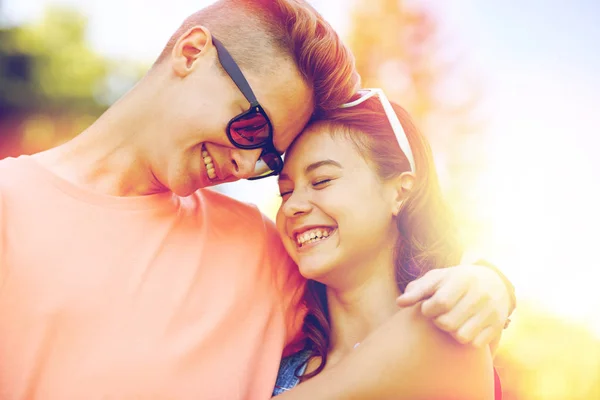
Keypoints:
pixel 406 358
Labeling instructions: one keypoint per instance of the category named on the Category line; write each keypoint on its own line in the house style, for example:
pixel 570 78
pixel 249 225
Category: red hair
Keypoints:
pixel 260 34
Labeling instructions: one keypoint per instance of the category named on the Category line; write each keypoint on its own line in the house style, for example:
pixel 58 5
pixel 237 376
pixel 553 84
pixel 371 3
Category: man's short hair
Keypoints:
pixel 260 34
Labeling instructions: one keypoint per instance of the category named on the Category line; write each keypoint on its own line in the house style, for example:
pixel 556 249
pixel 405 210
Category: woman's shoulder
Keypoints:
pixel 290 370
pixel 426 351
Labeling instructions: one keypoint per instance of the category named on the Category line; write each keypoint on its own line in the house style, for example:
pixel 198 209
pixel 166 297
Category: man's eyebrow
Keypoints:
pixel 312 167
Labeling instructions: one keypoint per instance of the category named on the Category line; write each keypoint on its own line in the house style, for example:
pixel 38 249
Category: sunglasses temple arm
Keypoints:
pixel 232 69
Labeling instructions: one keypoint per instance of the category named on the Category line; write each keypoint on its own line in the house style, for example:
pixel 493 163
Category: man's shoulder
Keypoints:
pixel 236 212
pixel 13 172
pixel 217 198
pixel 12 164
pixel 217 202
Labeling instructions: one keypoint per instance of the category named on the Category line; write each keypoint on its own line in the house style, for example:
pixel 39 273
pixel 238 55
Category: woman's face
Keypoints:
pixel 336 214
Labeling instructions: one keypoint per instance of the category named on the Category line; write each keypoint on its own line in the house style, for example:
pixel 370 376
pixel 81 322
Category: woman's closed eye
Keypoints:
pixel 316 184
pixel 321 183
pixel 284 193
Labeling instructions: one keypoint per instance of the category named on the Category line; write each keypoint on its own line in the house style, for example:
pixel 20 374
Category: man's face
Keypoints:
pixel 199 153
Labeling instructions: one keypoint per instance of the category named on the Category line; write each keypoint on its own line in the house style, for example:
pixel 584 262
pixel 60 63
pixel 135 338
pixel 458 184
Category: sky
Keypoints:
pixel 539 63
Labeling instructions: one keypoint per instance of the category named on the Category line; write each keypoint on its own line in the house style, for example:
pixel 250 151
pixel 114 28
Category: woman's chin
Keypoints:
pixel 312 268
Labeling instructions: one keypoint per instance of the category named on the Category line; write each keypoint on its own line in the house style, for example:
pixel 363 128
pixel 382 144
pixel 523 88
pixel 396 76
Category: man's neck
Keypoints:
pixel 107 157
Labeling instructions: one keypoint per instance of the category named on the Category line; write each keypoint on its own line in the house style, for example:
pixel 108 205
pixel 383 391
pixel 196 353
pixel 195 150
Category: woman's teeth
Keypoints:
pixel 312 236
pixel 208 163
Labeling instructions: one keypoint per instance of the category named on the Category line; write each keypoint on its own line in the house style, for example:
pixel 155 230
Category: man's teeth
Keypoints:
pixel 210 167
pixel 313 235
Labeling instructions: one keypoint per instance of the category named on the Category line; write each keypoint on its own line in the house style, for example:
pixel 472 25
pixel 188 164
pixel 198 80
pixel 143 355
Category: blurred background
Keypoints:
pixel 507 92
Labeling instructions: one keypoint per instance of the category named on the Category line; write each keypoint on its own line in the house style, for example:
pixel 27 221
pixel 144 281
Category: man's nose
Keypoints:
pixel 244 162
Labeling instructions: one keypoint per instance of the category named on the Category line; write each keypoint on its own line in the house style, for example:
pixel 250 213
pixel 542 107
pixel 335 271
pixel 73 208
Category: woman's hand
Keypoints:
pixel 470 302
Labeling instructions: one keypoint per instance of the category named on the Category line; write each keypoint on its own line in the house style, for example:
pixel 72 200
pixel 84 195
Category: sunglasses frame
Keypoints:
pixel 392 118
pixel 267 145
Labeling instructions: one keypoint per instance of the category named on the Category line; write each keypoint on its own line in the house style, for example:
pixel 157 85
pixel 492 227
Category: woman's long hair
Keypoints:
pixel 428 237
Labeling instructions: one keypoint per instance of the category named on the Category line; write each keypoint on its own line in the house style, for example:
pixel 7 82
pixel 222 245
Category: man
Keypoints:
pixel 119 279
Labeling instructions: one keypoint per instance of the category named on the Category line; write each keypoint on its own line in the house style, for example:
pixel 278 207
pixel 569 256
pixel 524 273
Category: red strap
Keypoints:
pixel 497 386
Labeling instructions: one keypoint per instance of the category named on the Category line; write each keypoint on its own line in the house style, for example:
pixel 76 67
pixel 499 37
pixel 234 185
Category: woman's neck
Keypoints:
pixel 357 310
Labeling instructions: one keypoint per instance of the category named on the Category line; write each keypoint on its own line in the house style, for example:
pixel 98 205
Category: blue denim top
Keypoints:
pixel 290 369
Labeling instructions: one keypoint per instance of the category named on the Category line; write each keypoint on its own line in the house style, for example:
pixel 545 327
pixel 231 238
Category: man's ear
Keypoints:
pixel 403 185
pixel 189 48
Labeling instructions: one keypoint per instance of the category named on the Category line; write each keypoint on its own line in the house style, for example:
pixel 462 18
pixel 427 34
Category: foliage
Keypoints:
pixel 543 357
pixel 49 65
pixel 399 46
pixel 52 81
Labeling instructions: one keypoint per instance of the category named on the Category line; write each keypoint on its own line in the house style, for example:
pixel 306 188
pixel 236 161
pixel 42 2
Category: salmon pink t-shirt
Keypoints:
pixel 153 297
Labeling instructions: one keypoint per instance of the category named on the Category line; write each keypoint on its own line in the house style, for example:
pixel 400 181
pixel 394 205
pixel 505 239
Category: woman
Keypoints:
pixel 362 216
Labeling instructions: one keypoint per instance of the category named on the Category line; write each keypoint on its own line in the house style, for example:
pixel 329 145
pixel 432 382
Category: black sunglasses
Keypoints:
pixel 251 129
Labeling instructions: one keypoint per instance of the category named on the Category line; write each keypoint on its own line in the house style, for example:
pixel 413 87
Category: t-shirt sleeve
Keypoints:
pixel 290 284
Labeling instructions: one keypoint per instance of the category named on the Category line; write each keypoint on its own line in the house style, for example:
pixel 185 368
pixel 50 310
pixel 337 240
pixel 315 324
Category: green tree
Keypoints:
pixel 543 357
pixel 49 65
pixel 52 82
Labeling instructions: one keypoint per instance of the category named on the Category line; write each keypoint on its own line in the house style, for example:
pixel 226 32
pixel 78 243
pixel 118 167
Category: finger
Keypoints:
pixel 420 288
pixel 445 298
pixel 466 307
pixel 474 326
pixel 485 337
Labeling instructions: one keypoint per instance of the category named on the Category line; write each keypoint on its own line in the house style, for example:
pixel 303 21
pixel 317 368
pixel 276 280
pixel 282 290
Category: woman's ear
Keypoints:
pixel 403 185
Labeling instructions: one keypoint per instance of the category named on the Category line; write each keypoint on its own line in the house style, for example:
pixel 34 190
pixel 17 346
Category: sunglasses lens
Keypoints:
pixel 273 161
pixel 251 129
pixel 269 164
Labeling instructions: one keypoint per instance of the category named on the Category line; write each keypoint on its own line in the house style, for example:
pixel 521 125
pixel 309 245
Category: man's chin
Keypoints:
pixel 209 183
pixel 221 181
pixel 182 192
pixel 185 189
